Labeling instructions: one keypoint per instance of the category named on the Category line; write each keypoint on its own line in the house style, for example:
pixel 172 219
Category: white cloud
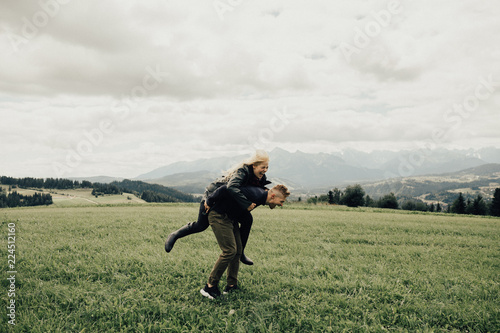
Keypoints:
pixel 173 81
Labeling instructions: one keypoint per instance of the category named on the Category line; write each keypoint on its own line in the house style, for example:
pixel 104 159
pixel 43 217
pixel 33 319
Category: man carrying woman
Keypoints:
pixel 250 172
pixel 224 217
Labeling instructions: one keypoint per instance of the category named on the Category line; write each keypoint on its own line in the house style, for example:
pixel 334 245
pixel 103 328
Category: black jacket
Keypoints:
pixel 242 177
pixel 223 202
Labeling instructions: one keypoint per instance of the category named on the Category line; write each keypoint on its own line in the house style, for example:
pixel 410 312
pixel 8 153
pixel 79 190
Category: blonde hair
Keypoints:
pixel 281 190
pixel 259 157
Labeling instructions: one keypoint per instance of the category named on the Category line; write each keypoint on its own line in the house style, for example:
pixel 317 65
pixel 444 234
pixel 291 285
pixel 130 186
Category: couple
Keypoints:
pixel 226 207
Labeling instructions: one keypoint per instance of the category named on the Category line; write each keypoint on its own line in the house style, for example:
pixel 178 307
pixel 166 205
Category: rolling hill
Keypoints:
pixel 481 180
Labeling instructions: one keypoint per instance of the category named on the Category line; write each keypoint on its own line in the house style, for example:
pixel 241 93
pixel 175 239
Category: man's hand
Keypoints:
pixel 251 207
pixel 207 207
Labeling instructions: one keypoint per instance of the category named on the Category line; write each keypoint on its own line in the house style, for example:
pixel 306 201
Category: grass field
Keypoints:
pixel 79 197
pixel 318 269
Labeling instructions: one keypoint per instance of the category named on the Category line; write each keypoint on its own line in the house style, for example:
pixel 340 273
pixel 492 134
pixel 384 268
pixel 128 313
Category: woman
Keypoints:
pixel 250 172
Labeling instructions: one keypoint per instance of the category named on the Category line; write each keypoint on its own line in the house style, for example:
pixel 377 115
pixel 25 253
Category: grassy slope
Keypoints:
pixel 80 197
pixel 103 269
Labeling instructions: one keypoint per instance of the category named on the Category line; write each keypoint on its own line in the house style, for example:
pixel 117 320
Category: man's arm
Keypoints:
pixel 257 195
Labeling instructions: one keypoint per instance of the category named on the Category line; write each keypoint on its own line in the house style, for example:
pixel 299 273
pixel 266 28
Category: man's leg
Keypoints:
pixel 223 231
pixel 234 265
pixel 188 229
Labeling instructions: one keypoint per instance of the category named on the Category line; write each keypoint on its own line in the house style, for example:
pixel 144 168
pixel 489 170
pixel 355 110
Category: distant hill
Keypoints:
pixel 441 187
pixel 189 182
pixel 214 165
pixel 148 192
pixel 306 172
pixel 140 187
pixel 176 194
pixel 482 170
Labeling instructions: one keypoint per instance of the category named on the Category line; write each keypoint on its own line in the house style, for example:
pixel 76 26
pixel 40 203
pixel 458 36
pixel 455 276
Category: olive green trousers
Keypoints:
pixel 227 233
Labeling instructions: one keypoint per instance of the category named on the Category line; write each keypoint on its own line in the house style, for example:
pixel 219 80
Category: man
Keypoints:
pixel 249 172
pixel 224 216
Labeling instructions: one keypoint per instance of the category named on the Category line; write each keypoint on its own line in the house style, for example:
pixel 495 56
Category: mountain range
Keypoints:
pixel 308 173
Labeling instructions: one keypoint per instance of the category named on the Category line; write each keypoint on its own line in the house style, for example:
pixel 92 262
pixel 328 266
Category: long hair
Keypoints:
pixel 259 157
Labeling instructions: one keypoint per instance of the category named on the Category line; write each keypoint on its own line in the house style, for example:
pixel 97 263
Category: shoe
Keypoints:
pixel 183 231
pixel 169 244
pixel 229 288
pixel 244 259
pixel 211 293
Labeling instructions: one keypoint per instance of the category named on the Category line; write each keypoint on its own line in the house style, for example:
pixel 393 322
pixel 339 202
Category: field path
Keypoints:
pixel 73 197
pixel 87 200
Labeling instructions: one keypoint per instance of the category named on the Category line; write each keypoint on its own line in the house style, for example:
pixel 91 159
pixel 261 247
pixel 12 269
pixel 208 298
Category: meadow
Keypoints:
pixel 79 197
pixel 103 268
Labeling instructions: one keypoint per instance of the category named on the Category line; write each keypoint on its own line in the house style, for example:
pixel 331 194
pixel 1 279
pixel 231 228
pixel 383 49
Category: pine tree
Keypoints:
pixel 330 197
pixel 468 207
pixel 14 200
pixel 479 206
pixel 369 202
pixel 495 203
pixel 3 200
pixel 337 194
pixel 458 206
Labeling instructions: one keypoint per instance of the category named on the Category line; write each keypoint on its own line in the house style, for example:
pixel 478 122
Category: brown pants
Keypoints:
pixel 227 233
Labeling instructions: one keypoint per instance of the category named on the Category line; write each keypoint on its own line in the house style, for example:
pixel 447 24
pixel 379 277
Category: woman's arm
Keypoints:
pixel 233 187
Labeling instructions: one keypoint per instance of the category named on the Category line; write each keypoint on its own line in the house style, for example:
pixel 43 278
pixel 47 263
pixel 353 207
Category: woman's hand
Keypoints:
pixel 252 206
pixel 207 207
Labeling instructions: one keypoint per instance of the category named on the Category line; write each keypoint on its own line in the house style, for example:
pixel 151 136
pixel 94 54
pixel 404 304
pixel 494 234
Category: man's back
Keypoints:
pixel 222 201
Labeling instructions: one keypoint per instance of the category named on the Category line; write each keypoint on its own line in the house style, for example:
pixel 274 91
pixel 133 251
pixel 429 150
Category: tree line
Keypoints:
pixel 476 206
pixel 154 192
pixel 148 192
pixel 355 196
pixel 14 199
pixel 48 183
pixel 102 189
pixel 145 191
pixel 150 196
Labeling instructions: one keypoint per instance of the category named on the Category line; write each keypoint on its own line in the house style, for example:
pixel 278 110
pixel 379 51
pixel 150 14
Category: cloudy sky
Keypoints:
pixel 119 88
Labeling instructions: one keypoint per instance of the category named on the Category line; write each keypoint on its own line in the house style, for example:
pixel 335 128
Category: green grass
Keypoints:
pixel 317 269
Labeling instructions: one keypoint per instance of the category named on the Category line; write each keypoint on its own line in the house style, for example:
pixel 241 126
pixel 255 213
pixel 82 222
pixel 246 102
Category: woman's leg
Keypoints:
pixel 246 225
pixel 188 229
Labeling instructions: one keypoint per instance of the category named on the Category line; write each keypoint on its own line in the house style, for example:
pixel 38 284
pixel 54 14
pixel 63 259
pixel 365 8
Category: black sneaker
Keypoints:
pixel 211 293
pixel 229 288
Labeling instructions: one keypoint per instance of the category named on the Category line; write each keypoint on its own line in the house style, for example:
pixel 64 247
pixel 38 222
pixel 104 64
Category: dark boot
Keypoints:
pixel 244 259
pixel 183 231
pixel 244 234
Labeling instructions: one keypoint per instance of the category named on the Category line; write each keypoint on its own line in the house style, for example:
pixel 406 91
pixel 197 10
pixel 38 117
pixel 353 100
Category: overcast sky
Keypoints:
pixel 119 88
